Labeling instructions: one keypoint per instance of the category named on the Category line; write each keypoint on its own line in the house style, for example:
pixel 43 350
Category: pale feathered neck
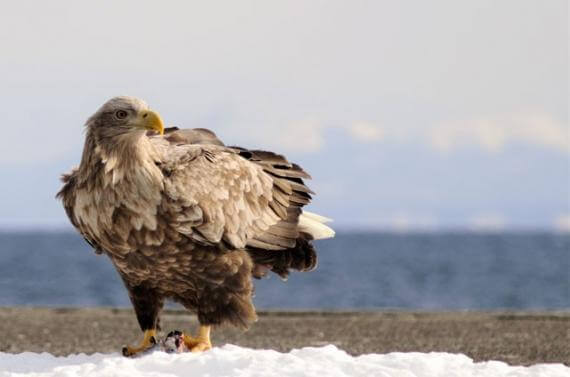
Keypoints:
pixel 117 154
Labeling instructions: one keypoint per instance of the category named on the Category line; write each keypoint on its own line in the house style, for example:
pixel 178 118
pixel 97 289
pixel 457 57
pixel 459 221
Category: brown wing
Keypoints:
pixel 234 196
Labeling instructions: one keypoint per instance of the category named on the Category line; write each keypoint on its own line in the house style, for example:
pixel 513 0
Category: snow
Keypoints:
pixel 231 360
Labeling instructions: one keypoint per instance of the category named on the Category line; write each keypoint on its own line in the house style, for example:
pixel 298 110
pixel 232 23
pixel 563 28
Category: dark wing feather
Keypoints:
pixel 191 136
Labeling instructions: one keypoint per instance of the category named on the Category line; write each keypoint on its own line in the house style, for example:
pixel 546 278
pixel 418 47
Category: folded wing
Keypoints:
pixel 233 196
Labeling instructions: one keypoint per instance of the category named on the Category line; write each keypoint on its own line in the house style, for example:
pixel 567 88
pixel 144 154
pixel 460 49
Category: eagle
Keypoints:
pixel 184 217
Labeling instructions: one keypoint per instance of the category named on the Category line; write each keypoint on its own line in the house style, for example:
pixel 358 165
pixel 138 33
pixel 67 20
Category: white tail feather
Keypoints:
pixel 313 224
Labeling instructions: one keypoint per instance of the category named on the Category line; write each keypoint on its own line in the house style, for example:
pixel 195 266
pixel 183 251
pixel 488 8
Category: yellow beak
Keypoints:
pixel 150 120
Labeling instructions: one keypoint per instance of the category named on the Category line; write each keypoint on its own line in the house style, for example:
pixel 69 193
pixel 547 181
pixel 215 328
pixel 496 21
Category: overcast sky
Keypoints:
pixel 408 114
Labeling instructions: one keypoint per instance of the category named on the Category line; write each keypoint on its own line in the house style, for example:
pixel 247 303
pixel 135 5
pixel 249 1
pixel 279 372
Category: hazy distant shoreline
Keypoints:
pixel 516 337
pixel 411 271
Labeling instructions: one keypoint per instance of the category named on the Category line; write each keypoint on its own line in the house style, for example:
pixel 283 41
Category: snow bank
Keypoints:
pixel 231 360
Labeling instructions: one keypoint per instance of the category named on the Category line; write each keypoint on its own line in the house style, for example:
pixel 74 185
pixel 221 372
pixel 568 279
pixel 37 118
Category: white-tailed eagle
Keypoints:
pixel 184 217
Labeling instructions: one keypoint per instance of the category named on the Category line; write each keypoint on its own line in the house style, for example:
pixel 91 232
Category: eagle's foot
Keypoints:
pixel 148 342
pixel 197 344
pixel 201 342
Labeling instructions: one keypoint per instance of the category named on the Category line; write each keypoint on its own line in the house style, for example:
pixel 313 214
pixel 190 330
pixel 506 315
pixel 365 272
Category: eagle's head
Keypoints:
pixel 124 114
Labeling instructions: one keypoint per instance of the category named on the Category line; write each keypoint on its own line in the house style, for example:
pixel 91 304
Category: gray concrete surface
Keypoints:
pixel 518 338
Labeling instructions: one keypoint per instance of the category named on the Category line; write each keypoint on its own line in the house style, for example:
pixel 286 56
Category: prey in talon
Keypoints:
pixel 174 342
pixel 184 217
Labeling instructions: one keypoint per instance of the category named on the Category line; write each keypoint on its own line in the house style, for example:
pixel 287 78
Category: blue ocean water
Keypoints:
pixel 356 271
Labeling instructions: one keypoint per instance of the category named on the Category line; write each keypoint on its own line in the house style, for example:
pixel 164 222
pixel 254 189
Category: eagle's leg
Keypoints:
pixel 201 342
pixel 147 305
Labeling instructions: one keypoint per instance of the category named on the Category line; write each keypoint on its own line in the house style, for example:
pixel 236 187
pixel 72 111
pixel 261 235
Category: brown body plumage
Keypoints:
pixel 182 216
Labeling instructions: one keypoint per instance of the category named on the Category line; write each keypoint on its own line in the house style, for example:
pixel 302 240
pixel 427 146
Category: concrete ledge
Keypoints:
pixel 518 338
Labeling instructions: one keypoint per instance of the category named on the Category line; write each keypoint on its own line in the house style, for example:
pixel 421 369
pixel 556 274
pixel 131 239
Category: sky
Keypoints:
pixel 409 115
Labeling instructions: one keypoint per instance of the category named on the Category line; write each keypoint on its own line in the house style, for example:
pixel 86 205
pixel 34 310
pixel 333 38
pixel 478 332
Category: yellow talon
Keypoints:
pixel 201 342
pixel 149 340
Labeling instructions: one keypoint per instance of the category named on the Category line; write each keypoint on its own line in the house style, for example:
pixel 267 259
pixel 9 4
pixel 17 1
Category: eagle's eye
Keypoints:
pixel 121 114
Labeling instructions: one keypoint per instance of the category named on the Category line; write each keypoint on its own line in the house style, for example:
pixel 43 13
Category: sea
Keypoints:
pixel 356 271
